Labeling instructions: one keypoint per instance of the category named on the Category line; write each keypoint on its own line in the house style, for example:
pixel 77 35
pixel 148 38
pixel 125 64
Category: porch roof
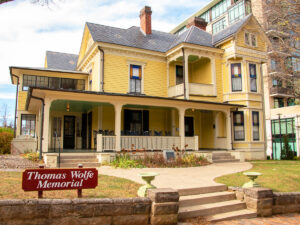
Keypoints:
pixel 107 96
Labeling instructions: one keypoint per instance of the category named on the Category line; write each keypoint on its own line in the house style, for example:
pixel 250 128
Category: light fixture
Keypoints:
pixel 68 107
pixel 193 109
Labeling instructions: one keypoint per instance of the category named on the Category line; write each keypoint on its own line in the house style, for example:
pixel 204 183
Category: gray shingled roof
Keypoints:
pixel 61 61
pixel 229 31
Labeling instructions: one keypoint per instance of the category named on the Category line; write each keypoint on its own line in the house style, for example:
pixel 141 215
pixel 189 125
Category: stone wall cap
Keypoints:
pixel 8 202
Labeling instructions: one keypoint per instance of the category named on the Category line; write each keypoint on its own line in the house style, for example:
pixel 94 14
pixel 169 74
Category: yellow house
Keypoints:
pixel 145 89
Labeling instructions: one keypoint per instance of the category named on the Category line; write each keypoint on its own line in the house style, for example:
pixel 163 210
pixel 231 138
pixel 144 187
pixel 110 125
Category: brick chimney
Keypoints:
pixel 145 19
pixel 197 22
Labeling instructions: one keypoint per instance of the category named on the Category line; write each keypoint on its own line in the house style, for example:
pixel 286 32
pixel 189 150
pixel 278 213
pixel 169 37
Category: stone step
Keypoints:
pixel 221 154
pixel 226 161
pixel 63 160
pixel 239 214
pixel 79 156
pixel 75 165
pixel 210 209
pixel 223 157
pixel 202 190
pixel 201 199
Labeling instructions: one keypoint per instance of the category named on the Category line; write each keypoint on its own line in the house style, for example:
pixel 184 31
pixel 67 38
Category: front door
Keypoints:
pixel 69 132
pixel 189 126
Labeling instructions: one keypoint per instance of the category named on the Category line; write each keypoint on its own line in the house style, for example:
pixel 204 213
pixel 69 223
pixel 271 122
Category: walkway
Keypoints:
pixel 179 177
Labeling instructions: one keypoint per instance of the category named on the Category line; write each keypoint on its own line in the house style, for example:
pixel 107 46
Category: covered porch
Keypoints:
pixel 115 122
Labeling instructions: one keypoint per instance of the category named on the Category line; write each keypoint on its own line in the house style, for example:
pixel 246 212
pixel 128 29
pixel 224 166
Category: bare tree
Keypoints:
pixel 4 115
pixel 282 24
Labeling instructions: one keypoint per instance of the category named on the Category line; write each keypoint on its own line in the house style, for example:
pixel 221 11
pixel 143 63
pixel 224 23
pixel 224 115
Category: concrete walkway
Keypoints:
pixel 179 177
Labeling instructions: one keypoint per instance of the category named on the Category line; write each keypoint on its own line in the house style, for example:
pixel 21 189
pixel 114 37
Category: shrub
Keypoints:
pixel 124 161
pixel 5 141
pixel 33 156
pixel 287 152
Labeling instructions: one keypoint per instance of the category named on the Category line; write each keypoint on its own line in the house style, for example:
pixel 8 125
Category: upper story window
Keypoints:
pixel 219 8
pixel 179 74
pixel 52 82
pixel 219 25
pixel 274 65
pixel 278 103
pixel 276 83
pixel 236 77
pixel 291 101
pixel 28 124
pixel 255 123
pixel 250 39
pixel 205 16
pixel 135 78
pixel 253 77
pixel 238 126
pixel 237 12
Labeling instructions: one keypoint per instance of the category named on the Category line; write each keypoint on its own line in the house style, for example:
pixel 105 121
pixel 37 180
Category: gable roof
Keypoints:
pixel 230 30
pixel 61 61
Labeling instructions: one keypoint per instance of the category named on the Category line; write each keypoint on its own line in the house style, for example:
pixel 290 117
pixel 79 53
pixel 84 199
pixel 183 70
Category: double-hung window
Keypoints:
pixel 135 78
pixel 253 76
pixel 179 74
pixel 250 39
pixel 255 123
pixel 28 124
pixel 278 103
pixel 236 77
pixel 238 126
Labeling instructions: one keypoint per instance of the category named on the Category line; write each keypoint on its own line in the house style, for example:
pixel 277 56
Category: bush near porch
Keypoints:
pixel 108 187
pixel 280 176
pixel 5 140
pixel 157 160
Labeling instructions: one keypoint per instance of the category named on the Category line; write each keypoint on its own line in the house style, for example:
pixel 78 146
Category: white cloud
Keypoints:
pixel 7 95
pixel 28 30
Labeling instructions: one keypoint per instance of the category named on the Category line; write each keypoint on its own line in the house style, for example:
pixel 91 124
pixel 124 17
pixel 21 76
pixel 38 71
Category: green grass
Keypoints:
pixel 281 176
pixel 5 129
pixel 108 187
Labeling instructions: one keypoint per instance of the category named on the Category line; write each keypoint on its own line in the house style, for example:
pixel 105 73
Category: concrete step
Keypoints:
pixel 202 190
pixel 239 214
pixel 63 160
pixel 221 154
pixel 222 157
pixel 79 156
pixel 226 161
pixel 201 199
pixel 210 209
pixel 75 165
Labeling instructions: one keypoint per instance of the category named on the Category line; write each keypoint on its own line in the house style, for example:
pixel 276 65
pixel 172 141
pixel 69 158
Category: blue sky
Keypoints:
pixel 28 30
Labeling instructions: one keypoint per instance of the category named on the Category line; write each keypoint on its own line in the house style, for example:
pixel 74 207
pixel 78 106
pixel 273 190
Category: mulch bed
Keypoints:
pixel 15 162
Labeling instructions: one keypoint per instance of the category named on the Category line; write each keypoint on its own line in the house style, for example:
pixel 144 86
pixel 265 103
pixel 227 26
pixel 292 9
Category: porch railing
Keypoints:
pixel 105 143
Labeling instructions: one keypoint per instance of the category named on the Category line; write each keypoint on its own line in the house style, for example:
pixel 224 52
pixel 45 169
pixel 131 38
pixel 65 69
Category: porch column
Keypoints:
pixel 45 138
pixel 186 75
pixel 181 113
pixel 173 124
pixel 118 110
pixel 213 71
pixel 228 130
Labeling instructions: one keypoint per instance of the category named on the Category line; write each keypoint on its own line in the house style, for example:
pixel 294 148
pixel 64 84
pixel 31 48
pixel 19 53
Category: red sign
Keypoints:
pixel 59 179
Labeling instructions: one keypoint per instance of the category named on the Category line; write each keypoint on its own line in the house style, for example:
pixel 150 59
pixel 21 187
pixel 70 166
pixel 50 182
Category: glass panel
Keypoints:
pixel 218 26
pixel 179 74
pixel 28 124
pixel 67 83
pixel 247 39
pixel 237 12
pixel 41 81
pixel 28 81
pixel 132 85
pixel 54 82
pixel 56 126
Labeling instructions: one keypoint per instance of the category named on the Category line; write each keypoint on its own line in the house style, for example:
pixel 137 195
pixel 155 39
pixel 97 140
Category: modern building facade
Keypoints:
pixel 146 89
pixel 280 84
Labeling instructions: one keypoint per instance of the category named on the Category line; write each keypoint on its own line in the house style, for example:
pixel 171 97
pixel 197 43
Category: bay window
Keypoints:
pixel 238 126
pixel 255 123
pixel 253 83
pixel 236 77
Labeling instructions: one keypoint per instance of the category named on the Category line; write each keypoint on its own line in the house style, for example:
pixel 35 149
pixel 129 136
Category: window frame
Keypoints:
pixel 21 124
pixel 250 40
pixel 242 124
pixel 231 76
pixel 255 124
pixel 131 78
pixel 254 77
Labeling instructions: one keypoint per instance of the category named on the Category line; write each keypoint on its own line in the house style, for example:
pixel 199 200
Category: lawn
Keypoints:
pixel 108 187
pixel 281 176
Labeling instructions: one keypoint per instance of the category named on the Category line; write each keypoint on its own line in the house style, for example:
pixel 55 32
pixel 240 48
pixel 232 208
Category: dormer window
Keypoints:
pixel 135 78
pixel 250 39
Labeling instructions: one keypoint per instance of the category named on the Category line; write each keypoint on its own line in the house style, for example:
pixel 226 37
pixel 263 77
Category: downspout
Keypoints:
pixel 183 68
pixel 42 125
pixel 17 91
pixel 102 67
pixel 264 113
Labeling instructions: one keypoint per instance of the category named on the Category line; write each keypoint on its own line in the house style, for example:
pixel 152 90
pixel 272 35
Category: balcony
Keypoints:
pixel 194 89
pixel 281 92
pixel 176 91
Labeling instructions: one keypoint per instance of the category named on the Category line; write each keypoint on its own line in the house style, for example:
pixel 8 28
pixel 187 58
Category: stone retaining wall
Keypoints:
pixel 160 208
pixel 266 202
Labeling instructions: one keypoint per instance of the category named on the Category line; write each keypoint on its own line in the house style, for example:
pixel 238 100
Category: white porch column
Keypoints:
pixel 213 71
pixel 228 130
pixel 181 113
pixel 186 75
pixel 45 140
pixel 173 124
pixel 118 110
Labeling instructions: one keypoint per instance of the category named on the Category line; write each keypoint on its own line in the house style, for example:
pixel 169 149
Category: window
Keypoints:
pixel 28 81
pixel 255 123
pixel 296 64
pixel 274 65
pixel 237 12
pixel 238 126
pixel 218 26
pixel 219 8
pixel 291 101
pixel 250 39
pixel 179 74
pixel 52 82
pixel 236 77
pixel 135 78
pixel 252 72
pixel 278 103
pixel 56 127
pixel 276 83
pixel 205 16
pixel 28 124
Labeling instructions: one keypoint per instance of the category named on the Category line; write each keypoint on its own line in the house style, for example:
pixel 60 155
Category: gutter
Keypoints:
pixel 16 105
pixel 183 72
pixel 102 67
pixel 42 125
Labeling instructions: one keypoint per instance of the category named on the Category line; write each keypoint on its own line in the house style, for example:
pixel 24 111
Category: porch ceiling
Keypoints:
pixel 75 106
